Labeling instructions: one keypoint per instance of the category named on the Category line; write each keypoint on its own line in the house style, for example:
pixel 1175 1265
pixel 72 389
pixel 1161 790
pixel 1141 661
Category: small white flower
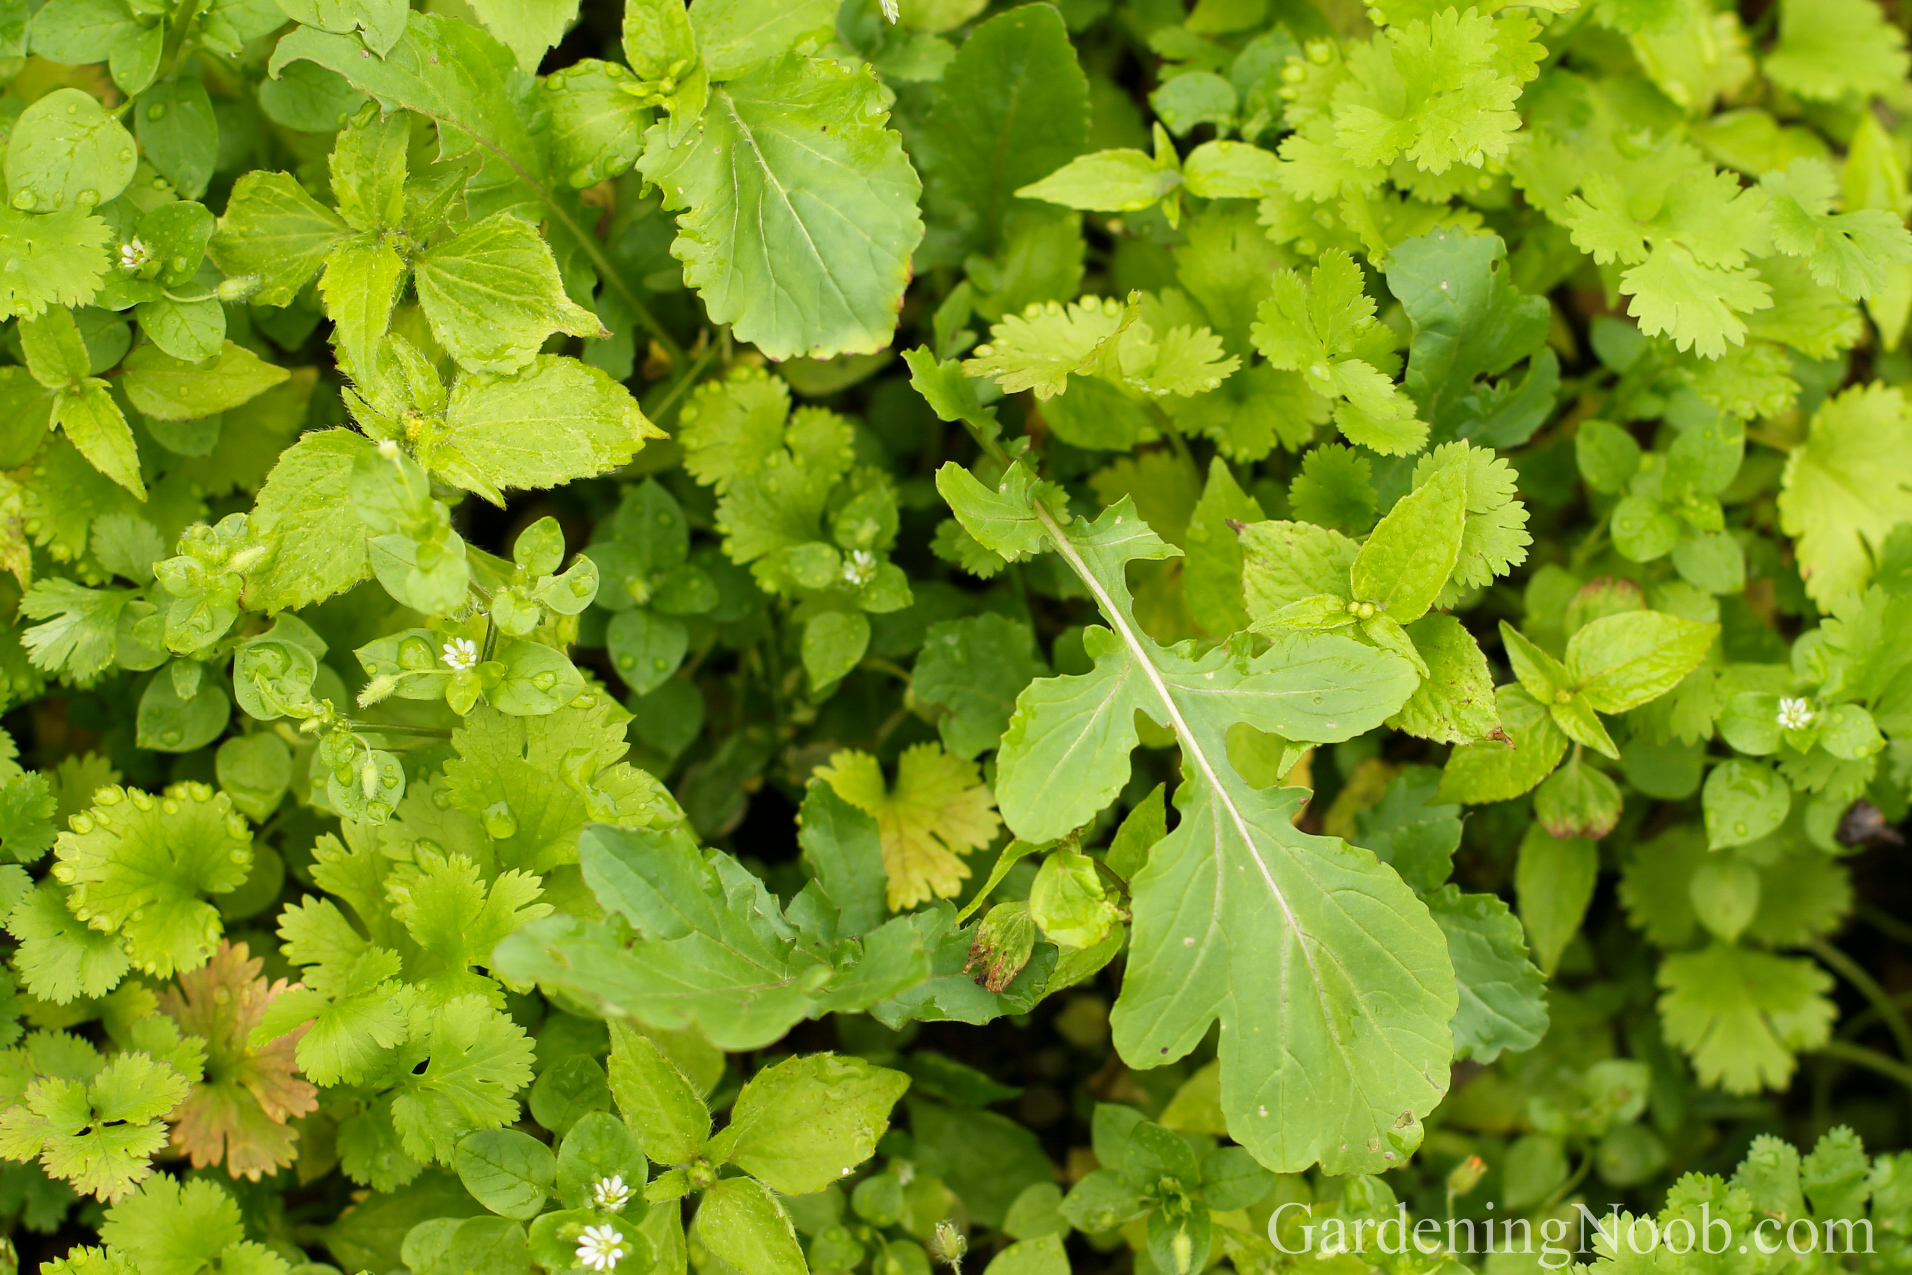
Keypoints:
pixel 133 254
pixel 860 567
pixel 890 10
pixel 461 654
pixel 601 1248
pixel 1795 714
pixel 611 1193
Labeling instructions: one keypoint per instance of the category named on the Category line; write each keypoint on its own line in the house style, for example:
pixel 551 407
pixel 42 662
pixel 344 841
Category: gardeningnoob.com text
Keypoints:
pixel 1592 1235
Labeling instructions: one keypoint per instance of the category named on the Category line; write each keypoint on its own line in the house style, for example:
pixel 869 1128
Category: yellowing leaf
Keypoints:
pixel 937 812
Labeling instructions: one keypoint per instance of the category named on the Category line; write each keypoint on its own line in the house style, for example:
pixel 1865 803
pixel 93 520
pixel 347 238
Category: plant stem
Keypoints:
pixel 1870 1059
pixel 1560 1192
pixel 1884 922
pixel 1868 987
pixel 1175 440
pixel 392 728
pixel 684 379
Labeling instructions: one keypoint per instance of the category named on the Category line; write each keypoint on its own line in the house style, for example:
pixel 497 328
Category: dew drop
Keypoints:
pixel 500 823
pixel 156 111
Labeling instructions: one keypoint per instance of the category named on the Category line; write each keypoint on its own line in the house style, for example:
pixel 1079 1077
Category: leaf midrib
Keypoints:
pixel 1190 745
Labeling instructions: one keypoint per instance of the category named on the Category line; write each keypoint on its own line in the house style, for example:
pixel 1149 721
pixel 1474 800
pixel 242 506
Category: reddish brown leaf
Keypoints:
pixel 238 1114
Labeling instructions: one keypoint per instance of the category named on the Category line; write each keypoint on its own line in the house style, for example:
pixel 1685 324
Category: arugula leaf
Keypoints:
pixel 974 668
pixel 1502 1003
pixel 1014 108
pixel 1470 322
pixel 1067 753
pixel 717 950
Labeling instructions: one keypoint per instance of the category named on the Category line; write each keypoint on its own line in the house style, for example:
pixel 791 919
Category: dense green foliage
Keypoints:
pixel 698 637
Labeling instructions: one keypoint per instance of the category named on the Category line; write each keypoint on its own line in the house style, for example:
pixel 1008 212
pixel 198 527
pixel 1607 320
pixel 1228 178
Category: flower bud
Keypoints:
pixel 377 689
pixel 1466 1176
pixel 949 1244
pixel 239 287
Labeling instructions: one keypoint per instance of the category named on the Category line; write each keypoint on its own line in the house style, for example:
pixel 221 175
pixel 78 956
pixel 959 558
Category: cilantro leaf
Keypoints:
pixel 61 957
pixel 937 812
pixel 79 633
pixel 457 920
pixel 475 1059
pixel 59 258
pixel 1039 348
pixel 176 1228
pixel 98 1134
pixel 238 1115
pixel 138 866
pixel 503 778
pixel 1325 329
pixel 1436 91
pixel 1742 1015
pixel 1849 252
pixel 1847 486
pixel 1830 49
